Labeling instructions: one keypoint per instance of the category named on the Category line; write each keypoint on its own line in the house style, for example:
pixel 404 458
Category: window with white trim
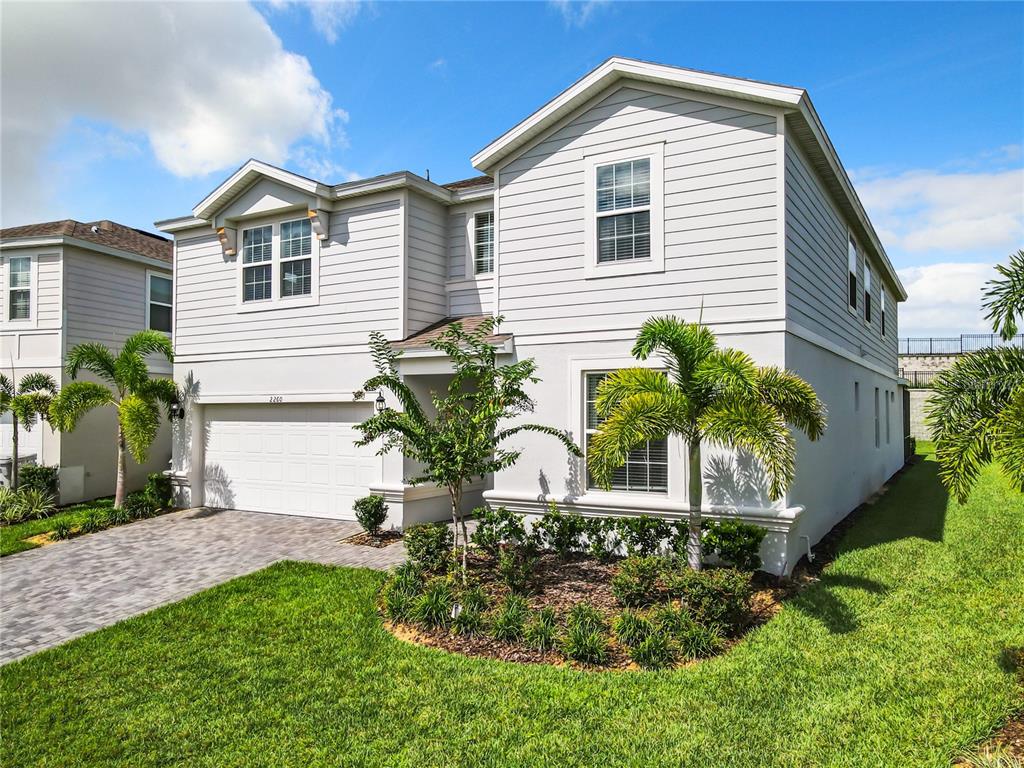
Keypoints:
pixel 19 288
pixel 296 258
pixel 483 242
pixel 158 303
pixel 257 271
pixel 646 468
pixel 867 292
pixel 851 257
pixel 881 309
pixel 624 211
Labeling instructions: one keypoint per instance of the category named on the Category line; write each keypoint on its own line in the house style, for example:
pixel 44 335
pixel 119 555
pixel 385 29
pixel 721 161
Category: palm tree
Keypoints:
pixel 709 395
pixel 131 390
pixel 31 400
pixel 977 410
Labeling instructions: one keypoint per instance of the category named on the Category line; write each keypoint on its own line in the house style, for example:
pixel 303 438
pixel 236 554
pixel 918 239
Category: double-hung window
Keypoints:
pixel 646 468
pixel 483 242
pixel 881 309
pixel 624 211
pixel 851 257
pixel 867 293
pixel 296 258
pixel 257 270
pixel 19 285
pixel 158 303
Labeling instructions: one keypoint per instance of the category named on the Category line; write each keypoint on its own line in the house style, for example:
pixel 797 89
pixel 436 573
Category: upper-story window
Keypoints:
pixel 867 292
pixel 851 256
pixel 624 211
pixel 257 253
pixel 646 468
pixel 881 309
pixel 19 288
pixel 483 242
pixel 277 262
pixel 624 198
pixel 296 258
pixel 158 303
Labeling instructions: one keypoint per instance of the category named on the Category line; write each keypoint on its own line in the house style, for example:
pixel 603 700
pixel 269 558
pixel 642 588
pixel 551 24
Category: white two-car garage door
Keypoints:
pixel 298 459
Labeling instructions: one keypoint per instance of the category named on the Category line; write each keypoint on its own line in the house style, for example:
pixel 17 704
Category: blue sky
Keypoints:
pixel 925 103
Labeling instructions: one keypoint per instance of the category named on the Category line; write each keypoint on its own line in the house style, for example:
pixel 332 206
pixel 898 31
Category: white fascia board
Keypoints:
pixel 474 194
pixel 618 68
pixel 399 180
pixel 180 224
pixel 48 241
pixel 245 176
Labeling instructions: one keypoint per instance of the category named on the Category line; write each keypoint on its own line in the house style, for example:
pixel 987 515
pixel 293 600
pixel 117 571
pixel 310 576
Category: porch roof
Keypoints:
pixel 421 339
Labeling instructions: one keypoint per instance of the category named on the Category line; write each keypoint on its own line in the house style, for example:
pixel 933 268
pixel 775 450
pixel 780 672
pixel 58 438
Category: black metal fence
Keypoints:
pixel 957 345
pixel 919 379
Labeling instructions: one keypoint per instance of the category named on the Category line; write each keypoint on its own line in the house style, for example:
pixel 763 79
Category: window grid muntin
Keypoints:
pixel 296 277
pixel 257 283
pixel 624 237
pixel 624 185
pixel 623 202
pixel 296 239
pixel 646 467
pixel 483 242
pixel 258 245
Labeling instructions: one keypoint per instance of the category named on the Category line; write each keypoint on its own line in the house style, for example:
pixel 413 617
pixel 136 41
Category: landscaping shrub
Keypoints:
pixel 585 646
pixel 32 504
pixel 469 617
pixel 696 641
pixel 586 618
pixel 408 577
pixel 507 623
pixel 558 532
pixel 95 520
pixel 371 512
pixel 138 505
pixel 38 477
pixel 61 530
pixel 653 652
pixel 9 508
pixel 715 596
pixel 433 608
pixel 159 491
pixel 735 543
pixel 638 581
pixel 516 566
pixel 631 628
pixel 643 535
pixel 430 546
pixel 541 632
pixel 602 536
pixel 496 527
pixel 119 516
pixel 400 590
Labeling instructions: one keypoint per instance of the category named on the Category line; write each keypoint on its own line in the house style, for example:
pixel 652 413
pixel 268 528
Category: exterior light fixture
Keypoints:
pixel 380 404
pixel 177 410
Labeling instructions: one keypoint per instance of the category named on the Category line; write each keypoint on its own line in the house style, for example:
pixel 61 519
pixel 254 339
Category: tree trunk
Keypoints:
pixel 455 494
pixel 694 550
pixel 121 469
pixel 14 454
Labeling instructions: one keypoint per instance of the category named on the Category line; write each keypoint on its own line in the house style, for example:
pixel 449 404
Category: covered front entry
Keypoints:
pixel 295 458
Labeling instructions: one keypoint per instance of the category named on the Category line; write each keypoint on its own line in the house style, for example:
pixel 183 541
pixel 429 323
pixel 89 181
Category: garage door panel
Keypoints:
pixel 295 459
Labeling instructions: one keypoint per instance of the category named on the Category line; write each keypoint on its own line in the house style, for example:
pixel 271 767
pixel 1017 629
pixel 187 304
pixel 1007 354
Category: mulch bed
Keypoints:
pixel 562 584
pixel 379 540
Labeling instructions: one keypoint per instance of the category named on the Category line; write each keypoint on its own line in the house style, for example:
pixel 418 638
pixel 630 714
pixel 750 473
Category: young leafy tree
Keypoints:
pixel 708 395
pixel 977 409
pixel 27 402
pixel 129 388
pixel 464 439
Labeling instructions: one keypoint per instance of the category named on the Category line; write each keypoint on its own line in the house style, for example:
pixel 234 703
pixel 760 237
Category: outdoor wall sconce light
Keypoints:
pixel 380 404
pixel 177 410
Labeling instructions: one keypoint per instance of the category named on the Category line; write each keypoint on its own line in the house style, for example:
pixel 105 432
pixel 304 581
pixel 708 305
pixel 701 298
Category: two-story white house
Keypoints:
pixel 640 190
pixel 66 283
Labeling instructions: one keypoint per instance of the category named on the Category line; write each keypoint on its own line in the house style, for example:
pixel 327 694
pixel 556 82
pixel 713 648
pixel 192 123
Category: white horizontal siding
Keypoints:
pixel 359 291
pixel 427 264
pixel 105 298
pixel 720 218
pixel 469 301
pixel 48 303
pixel 457 245
pixel 817 289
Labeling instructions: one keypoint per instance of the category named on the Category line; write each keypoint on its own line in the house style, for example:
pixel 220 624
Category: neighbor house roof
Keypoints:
pixel 104 233
pixel 476 181
pixel 469 323
pixel 802 121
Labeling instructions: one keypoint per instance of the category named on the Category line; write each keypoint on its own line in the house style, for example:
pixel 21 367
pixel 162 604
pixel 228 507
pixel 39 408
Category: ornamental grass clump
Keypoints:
pixel 653 652
pixel 631 628
pixel 433 608
pixel 508 621
pixel 469 612
pixel 541 632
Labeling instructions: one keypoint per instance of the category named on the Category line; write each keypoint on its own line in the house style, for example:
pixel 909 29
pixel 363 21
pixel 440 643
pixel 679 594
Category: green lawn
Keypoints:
pixel 11 536
pixel 898 657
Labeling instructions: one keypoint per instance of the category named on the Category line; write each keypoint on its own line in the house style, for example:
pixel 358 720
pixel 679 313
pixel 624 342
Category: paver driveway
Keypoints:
pixel 52 594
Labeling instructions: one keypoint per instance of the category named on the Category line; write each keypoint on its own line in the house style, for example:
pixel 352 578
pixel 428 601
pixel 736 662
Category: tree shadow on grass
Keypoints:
pixel 823 603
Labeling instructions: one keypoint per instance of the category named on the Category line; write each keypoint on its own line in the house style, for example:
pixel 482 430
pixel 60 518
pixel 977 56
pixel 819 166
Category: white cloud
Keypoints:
pixel 329 17
pixel 929 211
pixel 208 85
pixel 944 299
pixel 577 13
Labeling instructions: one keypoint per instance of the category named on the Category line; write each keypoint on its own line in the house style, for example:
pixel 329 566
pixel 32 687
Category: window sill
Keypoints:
pixel 271 304
pixel 617 268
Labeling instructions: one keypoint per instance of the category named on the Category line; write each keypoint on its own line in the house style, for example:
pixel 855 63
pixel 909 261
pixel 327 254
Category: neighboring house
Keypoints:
pixel 65 283
pixel 641 190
